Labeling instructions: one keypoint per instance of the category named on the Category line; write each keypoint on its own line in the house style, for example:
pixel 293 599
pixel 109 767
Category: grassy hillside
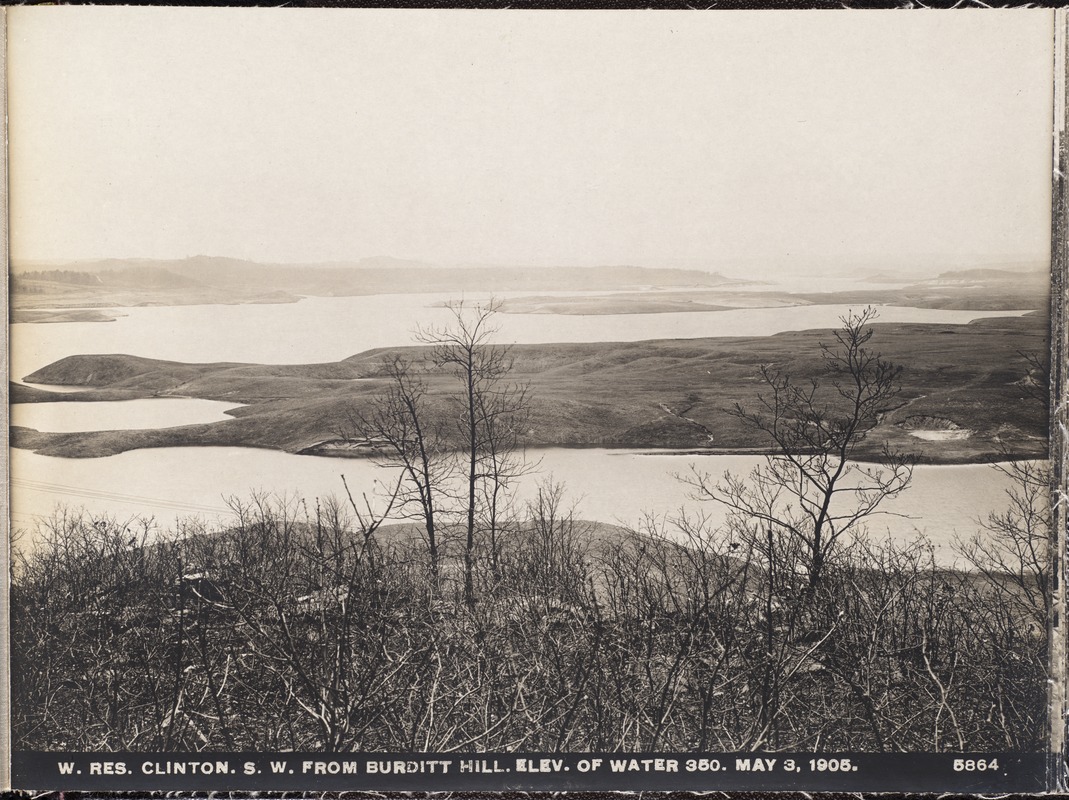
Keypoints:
pixel 659 394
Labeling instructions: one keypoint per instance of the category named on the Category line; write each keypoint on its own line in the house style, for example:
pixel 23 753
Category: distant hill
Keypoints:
pixel 377 275
pixel 125 264
pixel 1003 272
pixel 131 277
pixel 987 276
pixel 204 279
pixel 978 289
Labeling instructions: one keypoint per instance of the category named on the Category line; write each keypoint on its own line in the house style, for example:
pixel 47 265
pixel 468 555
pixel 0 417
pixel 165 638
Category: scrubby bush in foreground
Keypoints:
pixel 295 627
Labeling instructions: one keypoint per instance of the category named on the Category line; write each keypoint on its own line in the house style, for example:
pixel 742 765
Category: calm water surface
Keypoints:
pixel 157 412
pixel 321 329
pixel 608 485
pixel 613 486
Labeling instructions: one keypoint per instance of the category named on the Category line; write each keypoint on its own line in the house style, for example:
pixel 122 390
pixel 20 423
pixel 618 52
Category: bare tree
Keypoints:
pixel 296 626
pixel 1013 548
pixel 502 413
pixel 809 489
pixel 488 412
pixel 408 436
pixel 1012 554
pixel 286 629
pixel 310 611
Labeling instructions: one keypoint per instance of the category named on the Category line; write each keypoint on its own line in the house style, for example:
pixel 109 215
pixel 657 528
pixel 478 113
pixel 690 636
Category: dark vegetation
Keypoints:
pixel 42 295
pixel 59 315
pixel 482 626
pixel 293 629
pixel 138 277
pixel 672 394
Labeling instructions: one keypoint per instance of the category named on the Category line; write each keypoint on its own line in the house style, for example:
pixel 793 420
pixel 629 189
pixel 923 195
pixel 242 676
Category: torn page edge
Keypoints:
pixel 1059 454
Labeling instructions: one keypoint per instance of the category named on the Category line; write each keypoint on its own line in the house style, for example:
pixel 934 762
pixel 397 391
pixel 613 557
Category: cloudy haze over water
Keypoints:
pixel 806 140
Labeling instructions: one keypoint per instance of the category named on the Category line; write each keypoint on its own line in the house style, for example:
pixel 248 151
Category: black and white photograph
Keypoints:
pixel 449 399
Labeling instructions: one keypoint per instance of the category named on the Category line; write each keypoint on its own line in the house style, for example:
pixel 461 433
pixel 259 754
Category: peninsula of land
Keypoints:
pixel 967 394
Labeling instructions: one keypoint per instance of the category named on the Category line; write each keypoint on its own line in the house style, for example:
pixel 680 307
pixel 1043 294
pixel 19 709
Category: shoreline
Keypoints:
pixel 660 396
pixel 646 451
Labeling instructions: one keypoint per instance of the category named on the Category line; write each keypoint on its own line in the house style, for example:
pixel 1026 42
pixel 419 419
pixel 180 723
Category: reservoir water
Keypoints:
pixel 320 329
pixel 158 412
pixel 613 486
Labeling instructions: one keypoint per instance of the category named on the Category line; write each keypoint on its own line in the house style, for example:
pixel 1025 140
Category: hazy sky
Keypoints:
pixel 530 137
